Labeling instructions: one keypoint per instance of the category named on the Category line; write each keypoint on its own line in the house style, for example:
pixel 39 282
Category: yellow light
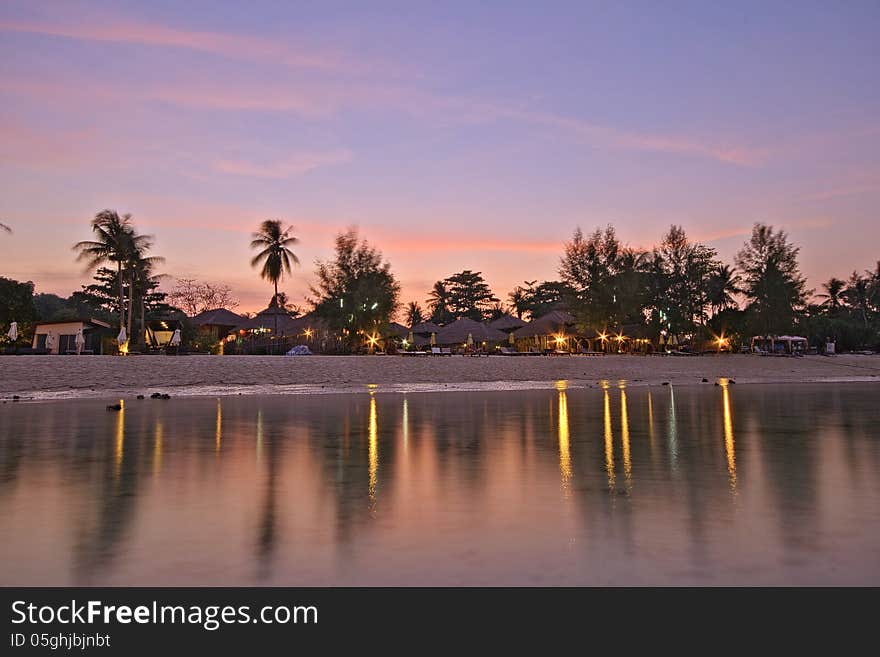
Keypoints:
pixel 373 454
pixel 564 442
pixel 123 348
pixel 560 339
pixel 729 445
pixel 308 333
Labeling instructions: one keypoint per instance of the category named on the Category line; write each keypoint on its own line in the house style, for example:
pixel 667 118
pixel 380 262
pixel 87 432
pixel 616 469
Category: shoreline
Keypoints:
pixel 47 378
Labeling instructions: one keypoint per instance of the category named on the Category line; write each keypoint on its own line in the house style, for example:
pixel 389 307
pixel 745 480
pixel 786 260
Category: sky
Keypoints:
pixel 454 135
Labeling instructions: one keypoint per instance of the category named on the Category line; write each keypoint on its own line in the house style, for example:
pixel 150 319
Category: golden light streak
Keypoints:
pixel 405 424
pixel 218 432
pixel 120 440
pixel 624 437
pixel 157 449
pixel 729 446
pixel 650 421
pixel 609 442
pixel 564 442
pixel 259 433
pixel 373 449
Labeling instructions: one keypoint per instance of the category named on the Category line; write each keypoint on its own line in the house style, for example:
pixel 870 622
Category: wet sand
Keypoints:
pixel 48 377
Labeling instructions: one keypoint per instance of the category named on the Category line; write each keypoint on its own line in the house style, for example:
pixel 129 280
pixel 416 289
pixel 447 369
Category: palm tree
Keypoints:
pixel 858 294
pixel 438 303
pixel 721 286
pixel 275 257
pixel 834 289
pixel 114 242
pixel 139 268
pixel 414 314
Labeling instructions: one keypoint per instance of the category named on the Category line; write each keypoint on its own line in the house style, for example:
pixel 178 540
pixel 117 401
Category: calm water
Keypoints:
pixel 705 485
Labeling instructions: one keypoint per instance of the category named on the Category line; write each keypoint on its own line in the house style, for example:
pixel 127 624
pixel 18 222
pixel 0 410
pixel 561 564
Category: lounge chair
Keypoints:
pixel 438 351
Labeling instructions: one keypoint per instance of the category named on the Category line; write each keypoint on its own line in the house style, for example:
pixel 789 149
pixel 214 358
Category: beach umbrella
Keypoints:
pixel 672 341
pixel 409 338
pixel 175 339
pixel 50 342
pixel 13 331
pixel 79 341
pixel 470 340
pixel 122 338
pixel 433 339
pixel 511 339
pixel 660 341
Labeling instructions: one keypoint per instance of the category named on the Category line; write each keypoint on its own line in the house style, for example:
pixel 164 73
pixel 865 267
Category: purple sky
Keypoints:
pixel 455 135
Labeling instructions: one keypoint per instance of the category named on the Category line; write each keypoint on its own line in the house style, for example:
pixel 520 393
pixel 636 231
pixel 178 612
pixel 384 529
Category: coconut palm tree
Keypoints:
pixel 414 314
pixel 275 257
pixel 114 241
pixel 721 286
pixel 139 270
pixel 834 294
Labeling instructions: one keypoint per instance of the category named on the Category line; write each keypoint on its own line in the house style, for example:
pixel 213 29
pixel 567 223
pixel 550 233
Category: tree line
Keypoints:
pixel 679 287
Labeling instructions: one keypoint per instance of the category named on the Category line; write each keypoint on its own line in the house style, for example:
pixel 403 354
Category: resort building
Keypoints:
pixel 216 324
pixel 59 338
pixel 466 332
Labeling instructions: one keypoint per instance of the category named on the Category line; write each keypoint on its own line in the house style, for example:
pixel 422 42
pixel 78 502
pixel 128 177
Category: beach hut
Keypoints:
pixel 218 323
pixel 554 331
pixel 455 334
pixel 425 334
pixel 507 323
pixel 61 337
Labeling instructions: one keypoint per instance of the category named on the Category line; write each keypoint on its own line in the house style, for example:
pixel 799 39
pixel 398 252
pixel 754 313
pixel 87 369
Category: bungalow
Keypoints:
pixel 218 323
pixel 555 331
pixel 466 331
pixel 60 337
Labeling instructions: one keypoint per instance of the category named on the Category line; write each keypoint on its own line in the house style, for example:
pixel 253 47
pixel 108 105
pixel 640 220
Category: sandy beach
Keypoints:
pixel 36 377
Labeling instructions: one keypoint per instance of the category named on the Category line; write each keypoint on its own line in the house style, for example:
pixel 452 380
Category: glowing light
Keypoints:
pixel 624 437
pixel 120 439
pixel 374 306
pixel 564 443
pixel 560 339
pixel 373 456
pixel 729 447
pixel 405 423
pixel 218 433
pixel 123 348
pixel 157 449
pixel 308 332
pixel 609 442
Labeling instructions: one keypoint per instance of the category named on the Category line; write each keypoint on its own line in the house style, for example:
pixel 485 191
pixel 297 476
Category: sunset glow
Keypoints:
pixel 452 143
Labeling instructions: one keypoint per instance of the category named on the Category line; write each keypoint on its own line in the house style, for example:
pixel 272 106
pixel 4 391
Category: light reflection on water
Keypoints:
pixel 760 484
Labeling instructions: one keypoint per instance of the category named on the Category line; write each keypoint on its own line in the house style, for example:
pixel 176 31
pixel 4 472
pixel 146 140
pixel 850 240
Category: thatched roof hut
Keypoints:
pixel 397 330
pixel 554 322
pixel 457 332
pixel 507 323
pixel 219 317
pixel 426 328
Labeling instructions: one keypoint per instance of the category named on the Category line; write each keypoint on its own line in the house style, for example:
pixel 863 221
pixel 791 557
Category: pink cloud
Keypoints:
pixel 151 34
pixel 291 166
pixel 321 99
